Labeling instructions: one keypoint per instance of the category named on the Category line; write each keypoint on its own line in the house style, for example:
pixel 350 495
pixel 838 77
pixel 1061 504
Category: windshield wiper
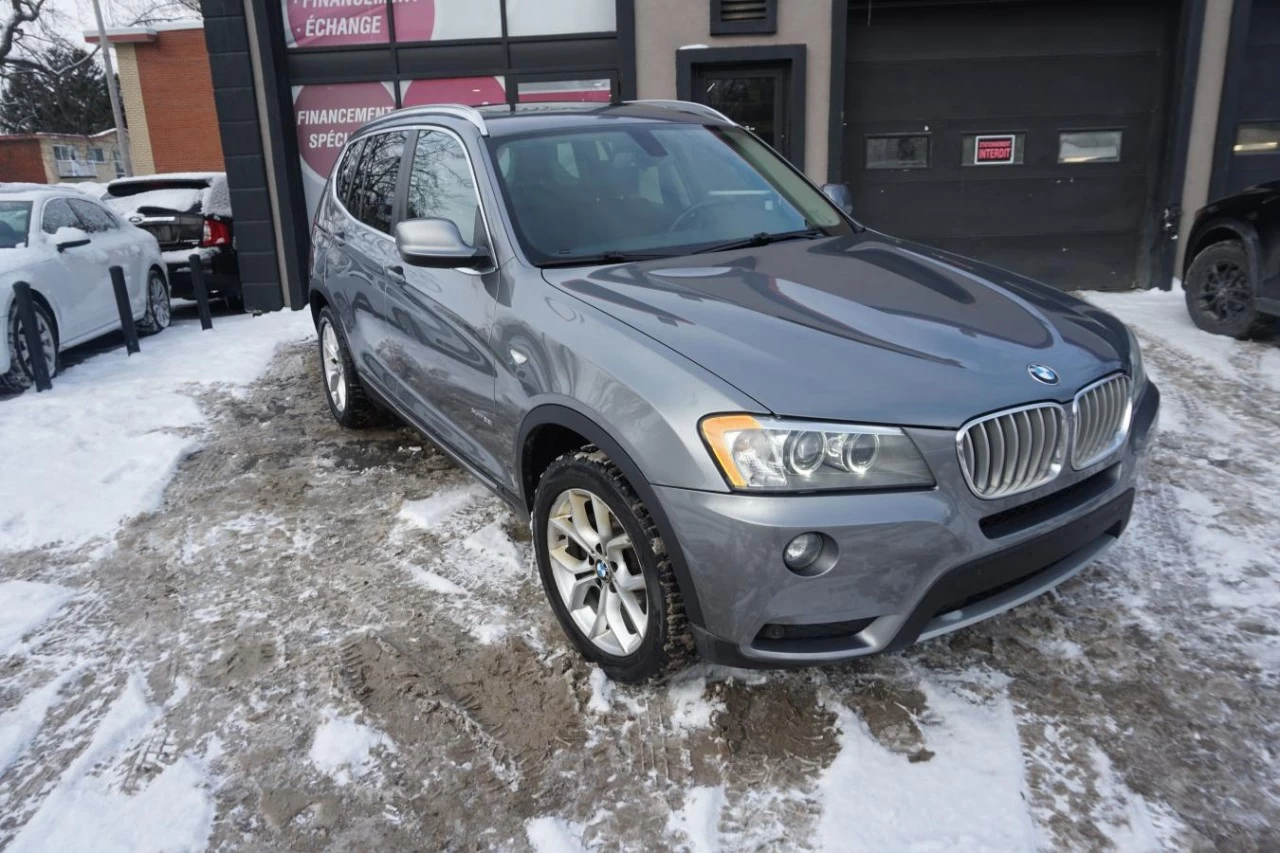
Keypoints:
pixel 601 258
pixel 764 238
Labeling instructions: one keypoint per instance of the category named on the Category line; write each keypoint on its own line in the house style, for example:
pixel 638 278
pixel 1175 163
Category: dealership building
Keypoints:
pixel 1069 140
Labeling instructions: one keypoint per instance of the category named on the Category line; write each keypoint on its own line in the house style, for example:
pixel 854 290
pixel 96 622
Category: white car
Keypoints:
pixel 63 243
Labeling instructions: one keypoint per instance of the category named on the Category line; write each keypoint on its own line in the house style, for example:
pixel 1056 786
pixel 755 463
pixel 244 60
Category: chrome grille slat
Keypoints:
pixel 1101 413
pixel 1013 451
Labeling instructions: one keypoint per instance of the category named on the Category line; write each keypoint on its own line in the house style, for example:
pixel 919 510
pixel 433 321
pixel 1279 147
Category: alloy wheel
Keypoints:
pixel 334 372
pixel 597 572
pixel 1224 295
pixel 159 297
pixel 46 344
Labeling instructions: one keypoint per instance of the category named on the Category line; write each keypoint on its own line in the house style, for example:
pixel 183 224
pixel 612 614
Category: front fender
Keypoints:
pixel 1247 234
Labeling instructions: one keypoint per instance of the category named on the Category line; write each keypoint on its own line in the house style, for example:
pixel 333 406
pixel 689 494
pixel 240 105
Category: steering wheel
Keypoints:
pixel 714 201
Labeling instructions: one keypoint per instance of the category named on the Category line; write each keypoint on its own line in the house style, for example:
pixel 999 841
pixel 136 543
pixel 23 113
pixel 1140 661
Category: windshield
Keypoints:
pixel 15 220
pixel 642 190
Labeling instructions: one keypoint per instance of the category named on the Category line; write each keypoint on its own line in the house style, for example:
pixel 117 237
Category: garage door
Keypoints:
pixel 1029 135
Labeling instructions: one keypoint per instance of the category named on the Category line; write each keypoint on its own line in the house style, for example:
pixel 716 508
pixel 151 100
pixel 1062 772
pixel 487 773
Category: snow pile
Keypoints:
pixel 691 709
pixel 698 820
pixel 89 810
pixel 112 431
pixel 1162 315
pixel 24 605
pixel 343 749
pixel 554 835
pixel 969 796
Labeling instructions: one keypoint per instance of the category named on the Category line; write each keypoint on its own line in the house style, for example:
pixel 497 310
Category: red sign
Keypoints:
pixel 472 91
pixel 333 23
pixel 994 149
pixel 327 114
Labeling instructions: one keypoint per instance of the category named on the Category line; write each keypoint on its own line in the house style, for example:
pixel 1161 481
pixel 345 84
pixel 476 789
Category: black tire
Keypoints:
pixel 19 378
pixel 159 310
pixel 356 410
pixel 667 644
pixel 1219 292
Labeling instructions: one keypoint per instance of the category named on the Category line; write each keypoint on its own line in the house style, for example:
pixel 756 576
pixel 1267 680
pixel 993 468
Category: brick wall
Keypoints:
pixel 20 160
pixel 135 109
pixel 182 122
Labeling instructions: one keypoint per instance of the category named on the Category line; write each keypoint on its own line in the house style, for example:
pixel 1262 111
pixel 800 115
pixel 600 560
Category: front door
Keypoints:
pixel 441 318
pixel 82 287
pixel 753 95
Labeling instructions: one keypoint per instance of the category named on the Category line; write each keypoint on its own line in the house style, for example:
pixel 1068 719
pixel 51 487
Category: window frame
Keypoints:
pixel 402 191
pixel 1119 158
pixel 927 136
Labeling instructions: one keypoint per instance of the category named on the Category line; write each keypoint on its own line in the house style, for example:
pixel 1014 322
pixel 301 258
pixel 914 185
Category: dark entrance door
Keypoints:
pixel 752 95
pixel 759 87
pixel 1027 134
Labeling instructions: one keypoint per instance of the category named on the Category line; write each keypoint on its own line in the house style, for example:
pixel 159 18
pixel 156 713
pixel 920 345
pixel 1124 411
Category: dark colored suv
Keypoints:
pixel 1232 274
pixel 740 423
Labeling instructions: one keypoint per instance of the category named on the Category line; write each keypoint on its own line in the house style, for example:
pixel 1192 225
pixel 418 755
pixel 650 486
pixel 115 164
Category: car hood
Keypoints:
pixel 861 328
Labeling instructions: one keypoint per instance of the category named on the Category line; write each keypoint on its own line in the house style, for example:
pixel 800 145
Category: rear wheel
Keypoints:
pixel 605 569
pixel 20 376
pixel 342 389
pixel 1220 294
pixel 159 313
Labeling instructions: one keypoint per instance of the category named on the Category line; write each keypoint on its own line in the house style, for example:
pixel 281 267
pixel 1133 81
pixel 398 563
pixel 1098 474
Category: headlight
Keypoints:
pixel 1137 373
pixel 768 454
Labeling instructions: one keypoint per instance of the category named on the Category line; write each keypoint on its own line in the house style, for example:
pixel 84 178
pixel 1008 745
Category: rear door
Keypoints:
pixel 78 279
pixel 441 318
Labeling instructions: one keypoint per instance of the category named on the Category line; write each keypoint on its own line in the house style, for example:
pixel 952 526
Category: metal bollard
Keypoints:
pixel 201 294
pixel 126 313
pixel 31 331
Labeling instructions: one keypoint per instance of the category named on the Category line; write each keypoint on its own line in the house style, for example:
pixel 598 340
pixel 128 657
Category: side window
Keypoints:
pixel 95 219
pixel 440 185
pixel 347 174
pixel 375 188
pixel 58 214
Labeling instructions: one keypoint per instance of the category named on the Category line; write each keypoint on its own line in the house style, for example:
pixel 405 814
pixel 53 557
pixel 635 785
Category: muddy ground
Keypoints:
pixel 280 582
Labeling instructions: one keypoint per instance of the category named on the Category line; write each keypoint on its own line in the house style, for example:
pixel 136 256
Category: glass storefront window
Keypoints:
pixel 325 116
pixel 529 92
pixel 1089 146
pixel 472 91
pixel 1261 137
pixel 444 20
pixel 336 23
pixel 555 17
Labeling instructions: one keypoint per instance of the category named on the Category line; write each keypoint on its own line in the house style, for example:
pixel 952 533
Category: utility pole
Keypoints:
pixel 122 134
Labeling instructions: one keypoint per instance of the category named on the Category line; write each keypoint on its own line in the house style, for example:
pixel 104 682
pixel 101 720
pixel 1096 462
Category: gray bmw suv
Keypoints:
pixel 741 424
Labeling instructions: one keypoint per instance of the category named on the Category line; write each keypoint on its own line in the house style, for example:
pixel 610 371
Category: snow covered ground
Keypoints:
pixel 227 623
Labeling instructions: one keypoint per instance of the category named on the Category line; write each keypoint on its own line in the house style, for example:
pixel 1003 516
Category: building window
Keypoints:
pixel 898 151
pixel 97 155
pixel 736 17
pixel 992 149
pixel 1261 137
pixel 65 153
pixel 597 90
pixel 558 17
pixel 1089 146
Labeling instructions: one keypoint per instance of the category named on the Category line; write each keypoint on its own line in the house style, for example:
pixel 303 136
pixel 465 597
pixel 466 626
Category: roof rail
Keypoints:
pixel 686 107
pixel 468 114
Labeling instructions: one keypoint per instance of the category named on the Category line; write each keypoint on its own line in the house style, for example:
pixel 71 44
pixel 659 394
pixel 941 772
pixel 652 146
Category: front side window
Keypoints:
pixel 440 185
pixel 95 219
pixel 15 222
pixel 645 190
pixel 375 187
pixel 58 214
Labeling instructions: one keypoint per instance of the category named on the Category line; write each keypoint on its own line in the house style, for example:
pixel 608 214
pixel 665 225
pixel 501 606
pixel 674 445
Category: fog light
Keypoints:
pixel 802 551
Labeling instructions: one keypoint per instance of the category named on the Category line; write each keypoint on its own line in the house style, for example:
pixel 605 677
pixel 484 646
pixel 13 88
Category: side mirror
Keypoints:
pixel 438 244
pixel 69 238
pixel 840 196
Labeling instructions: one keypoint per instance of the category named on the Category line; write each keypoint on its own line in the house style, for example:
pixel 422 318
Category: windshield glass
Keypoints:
pixel 651 190
pixel 15 219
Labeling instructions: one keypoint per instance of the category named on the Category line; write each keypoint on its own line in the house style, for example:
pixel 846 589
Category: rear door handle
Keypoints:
pixel 396 273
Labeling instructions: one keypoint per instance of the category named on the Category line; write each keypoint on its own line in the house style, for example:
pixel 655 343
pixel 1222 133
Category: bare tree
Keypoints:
pixel 16 15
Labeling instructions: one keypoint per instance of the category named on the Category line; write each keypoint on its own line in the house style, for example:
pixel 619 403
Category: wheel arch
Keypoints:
pixel 551 427
pixel 1220 230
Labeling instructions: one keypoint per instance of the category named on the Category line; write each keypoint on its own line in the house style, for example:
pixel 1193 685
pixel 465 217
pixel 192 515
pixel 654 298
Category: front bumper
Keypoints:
pixel 911 565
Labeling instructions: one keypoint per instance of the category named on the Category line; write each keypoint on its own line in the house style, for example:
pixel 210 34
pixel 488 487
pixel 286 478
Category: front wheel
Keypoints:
pixel 1220 294
pixel 20 376
pixel 159 311
pixel 605 569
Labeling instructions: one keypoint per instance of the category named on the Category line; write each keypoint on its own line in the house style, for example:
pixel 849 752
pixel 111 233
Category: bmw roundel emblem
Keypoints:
pixel 1041 373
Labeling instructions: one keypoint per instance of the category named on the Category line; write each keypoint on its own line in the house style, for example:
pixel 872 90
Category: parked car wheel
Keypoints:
pixel 1220 294
pixel 348 402
pixel 159 311
pixel 605 569
pixel 20 377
